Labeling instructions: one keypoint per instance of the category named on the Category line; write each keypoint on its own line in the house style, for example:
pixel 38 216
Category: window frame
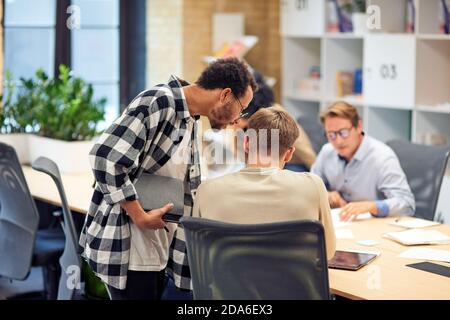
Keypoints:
pixel 132 47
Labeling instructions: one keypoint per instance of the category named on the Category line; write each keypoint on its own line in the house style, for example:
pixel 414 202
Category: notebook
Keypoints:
pixel 156 191
pixel 412 237
pixel 412 223
pixel 421 253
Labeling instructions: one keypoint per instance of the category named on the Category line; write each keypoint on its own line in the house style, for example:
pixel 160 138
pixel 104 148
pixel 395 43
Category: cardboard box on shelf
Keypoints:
pixel 344 83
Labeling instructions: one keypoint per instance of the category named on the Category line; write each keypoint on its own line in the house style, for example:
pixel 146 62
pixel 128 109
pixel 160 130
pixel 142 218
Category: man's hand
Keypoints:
pixel 146 220
pixel 335 199
pixel 153 218
pixel 351 210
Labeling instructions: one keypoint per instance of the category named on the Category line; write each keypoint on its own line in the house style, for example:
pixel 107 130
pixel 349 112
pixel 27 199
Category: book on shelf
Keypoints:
pixel 339 15
pixel 344 83
pixel 444 16
pixel 357 81
pixel 410 16
pixel 310 86
pixel 433 138
pixel 237 48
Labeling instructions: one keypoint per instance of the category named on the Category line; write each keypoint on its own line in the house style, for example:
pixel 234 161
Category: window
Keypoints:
pixel 102 41
pixel 36 38
pixel 29 36
pixel 95 50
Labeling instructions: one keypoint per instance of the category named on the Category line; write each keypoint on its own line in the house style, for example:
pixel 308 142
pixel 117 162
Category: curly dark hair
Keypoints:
pixel 227 73
pixel 263 98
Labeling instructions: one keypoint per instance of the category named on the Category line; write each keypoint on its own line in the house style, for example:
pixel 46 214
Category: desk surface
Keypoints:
pixel 78 188
pixel 386 277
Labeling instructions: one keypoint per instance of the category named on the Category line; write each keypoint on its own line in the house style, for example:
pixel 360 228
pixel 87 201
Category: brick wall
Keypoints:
pixel 197 16
pixel 179 36
pixel 261 19
pixel 273 45
pixel 164 40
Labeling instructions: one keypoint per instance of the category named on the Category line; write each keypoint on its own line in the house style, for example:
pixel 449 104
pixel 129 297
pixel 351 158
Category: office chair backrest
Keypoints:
pixel 283 260
pixel 19 218
pixel 70 260
pixel 424 167
pixel 314 130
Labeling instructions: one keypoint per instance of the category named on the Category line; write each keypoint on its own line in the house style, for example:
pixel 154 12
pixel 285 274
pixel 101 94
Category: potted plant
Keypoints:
pixel 62 115
pixel 66 118
pixel 359 17
pixel 14 121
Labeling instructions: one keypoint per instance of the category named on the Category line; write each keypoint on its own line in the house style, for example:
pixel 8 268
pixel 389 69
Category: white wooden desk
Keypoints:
pixel 78 188
pixel 386 277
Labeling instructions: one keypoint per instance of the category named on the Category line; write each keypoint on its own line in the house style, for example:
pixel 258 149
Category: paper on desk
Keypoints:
pixel 418 236
pixel 337 223
pixel 426 254
pixel 412 223
pixel 344 234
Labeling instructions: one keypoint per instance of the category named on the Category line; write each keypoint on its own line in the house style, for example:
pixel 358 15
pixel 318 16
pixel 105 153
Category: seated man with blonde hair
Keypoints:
pixel 263 192
pixel 362 174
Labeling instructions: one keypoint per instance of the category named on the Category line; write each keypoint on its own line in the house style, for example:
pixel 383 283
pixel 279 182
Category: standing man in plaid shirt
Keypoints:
pixel 128 248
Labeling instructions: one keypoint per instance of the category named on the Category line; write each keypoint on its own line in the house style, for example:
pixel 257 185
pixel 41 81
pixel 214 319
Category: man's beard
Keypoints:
pixel 220 116
pixel 217 125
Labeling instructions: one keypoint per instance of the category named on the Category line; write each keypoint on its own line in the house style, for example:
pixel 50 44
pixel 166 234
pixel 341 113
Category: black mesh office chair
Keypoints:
pixel 70 261
pixel 22 245
pixel 424 167
pixel 314 130
pixel 283 260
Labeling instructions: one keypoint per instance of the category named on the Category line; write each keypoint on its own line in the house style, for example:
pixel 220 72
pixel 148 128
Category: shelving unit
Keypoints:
pixel 406 76
pixel 307 50
pixel 349 54
pixel 387 123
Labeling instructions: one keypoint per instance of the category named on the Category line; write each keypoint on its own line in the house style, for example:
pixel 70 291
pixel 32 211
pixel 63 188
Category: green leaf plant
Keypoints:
pixel 59 108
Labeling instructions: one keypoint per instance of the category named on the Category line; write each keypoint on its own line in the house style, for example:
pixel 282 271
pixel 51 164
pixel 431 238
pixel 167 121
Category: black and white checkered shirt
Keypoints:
pixel 142 139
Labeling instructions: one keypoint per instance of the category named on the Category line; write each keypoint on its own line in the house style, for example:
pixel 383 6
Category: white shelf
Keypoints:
pixel 386 124
pixel 303 36
pixel 391 34
pixel 392 15
pixel 433 72
pixel 434 109
pixel 388 106
pixel 389 70
pixel 299 108
pixel 303 96
pixel 302 18
pixel 427 20
pixel 433 36
pixel 432 127
pixel 306 50
pixel 398 104
pixel 342 35
pixel 339 54
pixel 353 100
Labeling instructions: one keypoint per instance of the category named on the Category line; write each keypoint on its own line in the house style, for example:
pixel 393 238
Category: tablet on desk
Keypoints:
pixel 351 260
